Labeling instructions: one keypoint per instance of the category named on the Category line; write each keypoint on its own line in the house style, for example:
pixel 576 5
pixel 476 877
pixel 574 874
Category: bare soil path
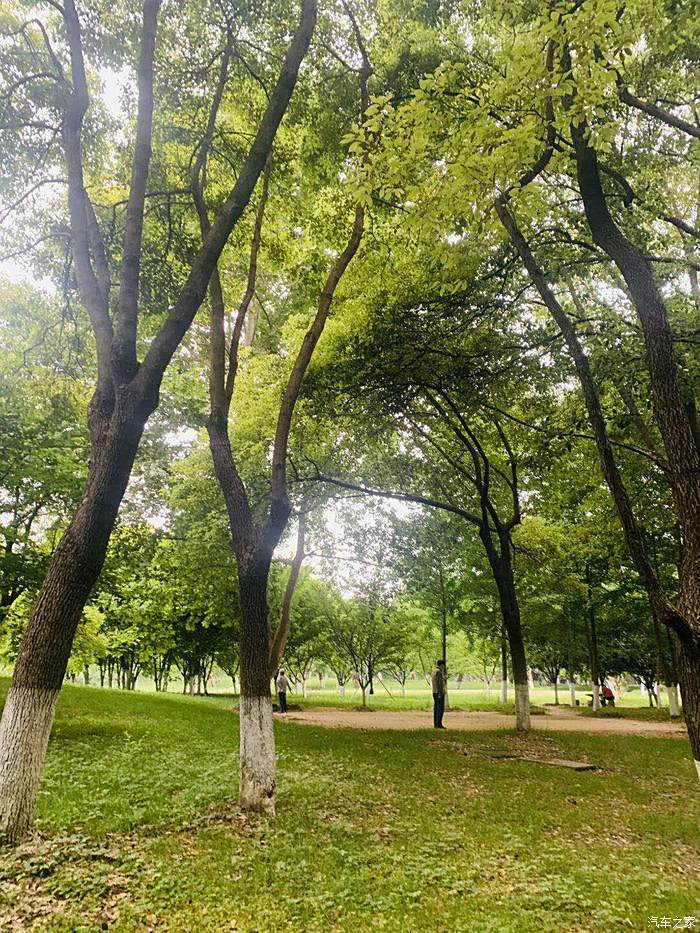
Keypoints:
pixel 559 720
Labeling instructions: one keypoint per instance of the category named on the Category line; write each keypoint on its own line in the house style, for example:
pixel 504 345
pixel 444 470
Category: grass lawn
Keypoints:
pixel 139 829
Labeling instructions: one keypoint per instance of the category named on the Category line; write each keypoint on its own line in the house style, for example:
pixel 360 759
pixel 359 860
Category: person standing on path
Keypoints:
pixel 282 687
pixel 438 678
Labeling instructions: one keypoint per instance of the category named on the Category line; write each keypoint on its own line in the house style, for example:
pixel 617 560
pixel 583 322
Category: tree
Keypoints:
pixel 564 116
pixel 254 539
pixel 370 638
pixel 126 391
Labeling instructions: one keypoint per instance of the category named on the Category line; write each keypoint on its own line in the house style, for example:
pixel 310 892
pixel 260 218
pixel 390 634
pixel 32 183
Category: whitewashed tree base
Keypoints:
pixel 673 708
pixel 24 737
pixel 258 785
pixel 522 708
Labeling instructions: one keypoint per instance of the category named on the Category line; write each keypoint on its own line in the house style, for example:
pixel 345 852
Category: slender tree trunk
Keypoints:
pixel 592 640
pixel 556 691
pixel 663 667
pixel 572 691
pixel 510 611
pixel 443 607
pixel 258 782
pixel 504 666
pixel 48 638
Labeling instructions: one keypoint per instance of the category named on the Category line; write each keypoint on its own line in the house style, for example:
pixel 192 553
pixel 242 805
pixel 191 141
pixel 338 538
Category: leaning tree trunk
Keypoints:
pixel 46 645
pixel 258 781
pixel 510 611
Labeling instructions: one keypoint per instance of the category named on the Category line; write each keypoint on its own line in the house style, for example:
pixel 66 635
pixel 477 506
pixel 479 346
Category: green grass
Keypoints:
pixel 139 829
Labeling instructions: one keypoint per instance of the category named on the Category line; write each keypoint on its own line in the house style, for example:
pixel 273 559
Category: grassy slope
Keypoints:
pixel 376 830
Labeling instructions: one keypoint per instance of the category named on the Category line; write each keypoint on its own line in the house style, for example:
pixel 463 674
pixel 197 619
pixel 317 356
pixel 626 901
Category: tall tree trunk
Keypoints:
pixel 504 666
pixel 556 691
pixel 46 644
pixel 592 641
pixel 675 415
pixel 510 611
pixel 258 781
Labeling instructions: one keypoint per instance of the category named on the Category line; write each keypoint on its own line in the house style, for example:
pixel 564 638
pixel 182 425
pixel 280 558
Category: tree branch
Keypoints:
pixel 124 342
pixel 192 294
pixel 653 111
pixel 279 640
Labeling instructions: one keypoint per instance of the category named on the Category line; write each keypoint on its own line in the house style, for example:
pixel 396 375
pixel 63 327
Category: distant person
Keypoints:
pixel 438 677
pixel 608 697
pixel 282 687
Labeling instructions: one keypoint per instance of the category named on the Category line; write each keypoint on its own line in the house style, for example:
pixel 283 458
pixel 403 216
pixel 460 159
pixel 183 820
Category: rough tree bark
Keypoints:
pixel 675 415
pixel 126 394
pixel 683 619
pixel 253 543
pixel 502 569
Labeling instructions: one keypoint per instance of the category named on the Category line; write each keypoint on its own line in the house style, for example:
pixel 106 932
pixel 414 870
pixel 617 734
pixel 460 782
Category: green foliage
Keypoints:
pixel 375 830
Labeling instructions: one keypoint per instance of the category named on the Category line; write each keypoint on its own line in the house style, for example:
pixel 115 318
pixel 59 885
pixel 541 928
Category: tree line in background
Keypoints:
pixel 446 257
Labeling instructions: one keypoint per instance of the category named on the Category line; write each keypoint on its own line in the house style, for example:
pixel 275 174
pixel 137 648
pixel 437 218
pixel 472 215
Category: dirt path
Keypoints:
pixel 557 721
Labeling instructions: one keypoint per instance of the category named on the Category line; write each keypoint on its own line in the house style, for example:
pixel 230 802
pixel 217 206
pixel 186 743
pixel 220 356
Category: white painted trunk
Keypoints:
pixel 403 690
pixel 24 738
pixel 303 687
pixel 258 786
pixel 572 693
pixel 522 708
pixel 504 691
pixel 341 690
pixel 697 765
pixel 673 708
pixel 487 688
pixel 530 679
pixel 596 698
